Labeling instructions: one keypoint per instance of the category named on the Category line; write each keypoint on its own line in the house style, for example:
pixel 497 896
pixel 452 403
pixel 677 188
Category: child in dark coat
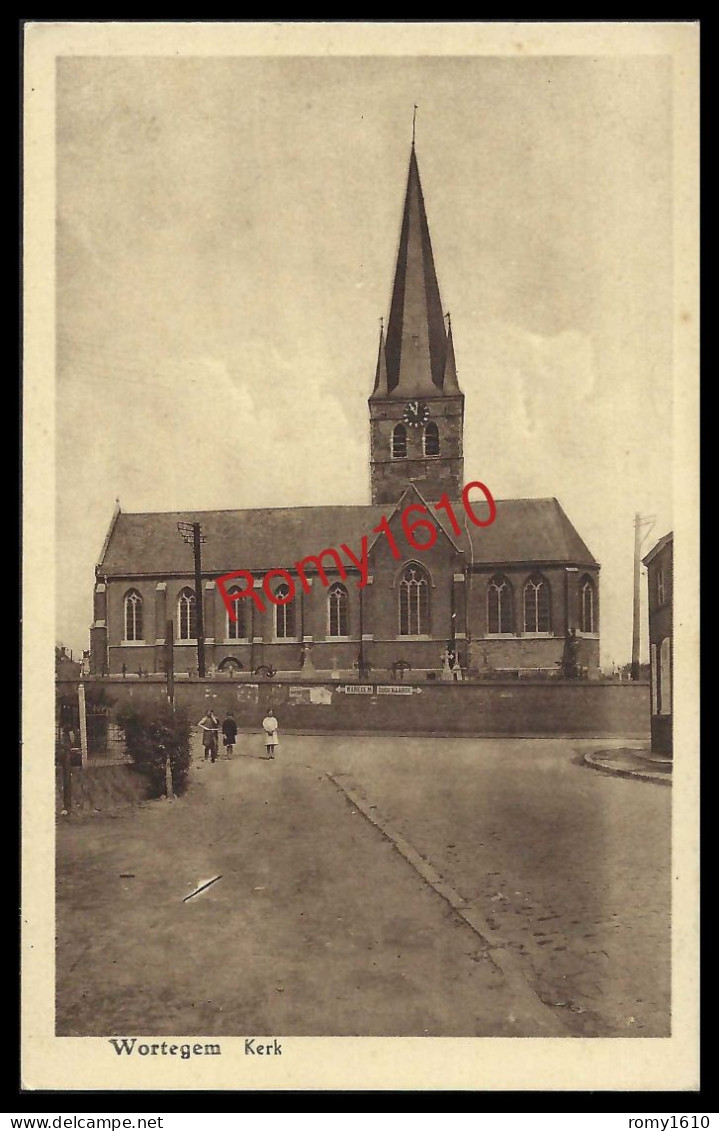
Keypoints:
pixel 229 733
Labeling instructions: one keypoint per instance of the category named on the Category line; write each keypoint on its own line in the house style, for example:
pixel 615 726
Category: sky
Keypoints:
pixel 227 230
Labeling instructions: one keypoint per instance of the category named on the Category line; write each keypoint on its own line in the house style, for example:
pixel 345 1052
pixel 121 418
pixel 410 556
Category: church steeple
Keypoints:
pixel 380 380
pixel 450 383
pixel 416 339
pixel 416 405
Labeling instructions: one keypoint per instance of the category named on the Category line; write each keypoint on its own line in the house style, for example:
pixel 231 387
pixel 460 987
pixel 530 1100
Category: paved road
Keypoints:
pixel 318 926
pixel 569 866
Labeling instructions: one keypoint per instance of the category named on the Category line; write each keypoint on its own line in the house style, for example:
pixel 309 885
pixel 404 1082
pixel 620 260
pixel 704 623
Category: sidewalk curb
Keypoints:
pixel 497 948
pixel 593 759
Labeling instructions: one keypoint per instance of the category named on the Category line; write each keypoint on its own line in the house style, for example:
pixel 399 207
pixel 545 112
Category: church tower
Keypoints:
pixel 416 407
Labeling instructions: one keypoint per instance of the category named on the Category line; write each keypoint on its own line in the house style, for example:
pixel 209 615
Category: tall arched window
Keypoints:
pixel 536 605
pixel 414 601
pixel 665 676
pixel 399 442
pixel 431 439
pixel 499 605
pixel 284 615
pixel 338 610
pixel 237 629
pixel 133 615
pixel 587 610
pixel 186 615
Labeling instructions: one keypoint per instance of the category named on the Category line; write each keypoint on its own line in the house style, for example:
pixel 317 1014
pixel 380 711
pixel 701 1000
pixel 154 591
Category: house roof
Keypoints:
pixel 524 530
pixel 658 547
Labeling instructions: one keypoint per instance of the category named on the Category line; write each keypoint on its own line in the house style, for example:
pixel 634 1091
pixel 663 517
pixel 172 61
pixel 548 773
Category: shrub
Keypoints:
pixel 152 733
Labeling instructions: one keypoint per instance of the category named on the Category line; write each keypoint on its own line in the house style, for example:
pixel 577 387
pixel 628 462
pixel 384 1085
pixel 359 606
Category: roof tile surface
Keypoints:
pixel 524 530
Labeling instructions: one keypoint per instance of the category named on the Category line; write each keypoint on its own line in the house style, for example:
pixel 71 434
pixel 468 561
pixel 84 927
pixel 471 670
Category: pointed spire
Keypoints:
pixel 450 383
pixel 416 339
pixel 380 380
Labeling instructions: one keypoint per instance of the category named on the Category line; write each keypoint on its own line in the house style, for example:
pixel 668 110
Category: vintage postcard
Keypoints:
pixel 361 445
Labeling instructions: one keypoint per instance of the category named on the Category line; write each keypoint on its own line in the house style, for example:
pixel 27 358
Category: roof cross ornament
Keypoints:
pixel 414 120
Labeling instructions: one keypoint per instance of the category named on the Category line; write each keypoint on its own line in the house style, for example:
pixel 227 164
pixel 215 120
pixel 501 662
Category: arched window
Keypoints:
pixel 587 610
pixel 133 615
pixel 536 605
pixel 186 615
pixel 284 615
pixel 431 439
pixel 399 442
pixel 414 602
pixel 236 629
pixel 499 605
pixel 338 610
pixel 665 676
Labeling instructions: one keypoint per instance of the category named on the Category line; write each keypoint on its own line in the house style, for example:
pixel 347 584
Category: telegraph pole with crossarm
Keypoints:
pixel 192 534
pixel 646 524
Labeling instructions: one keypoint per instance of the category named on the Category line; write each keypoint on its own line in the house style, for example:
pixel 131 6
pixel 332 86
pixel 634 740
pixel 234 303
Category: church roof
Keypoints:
pixel 416 343
pixel 256 539
pixel 525 530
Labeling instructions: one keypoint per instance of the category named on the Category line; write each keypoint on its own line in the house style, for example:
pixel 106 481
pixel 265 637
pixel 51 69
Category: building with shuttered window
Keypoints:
pixel 660 579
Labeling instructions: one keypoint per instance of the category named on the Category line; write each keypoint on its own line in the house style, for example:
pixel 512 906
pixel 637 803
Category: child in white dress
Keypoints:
pixel 270 727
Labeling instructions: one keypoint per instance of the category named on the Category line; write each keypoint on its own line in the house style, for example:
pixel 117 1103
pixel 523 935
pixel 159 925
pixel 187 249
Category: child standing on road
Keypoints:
pixel 270 727
pixel 229 733
pixel 210 727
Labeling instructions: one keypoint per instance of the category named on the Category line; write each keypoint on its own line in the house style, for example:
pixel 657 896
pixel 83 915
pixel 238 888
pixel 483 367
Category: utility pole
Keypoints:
pixel 192 533
pixel 170 662
pixel 648 524
pixel 170 673
pixel 360 657
pixel 82 708
pixel 197 541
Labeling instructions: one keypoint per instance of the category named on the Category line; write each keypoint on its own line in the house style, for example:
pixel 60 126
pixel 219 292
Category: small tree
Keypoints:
pixel 151 735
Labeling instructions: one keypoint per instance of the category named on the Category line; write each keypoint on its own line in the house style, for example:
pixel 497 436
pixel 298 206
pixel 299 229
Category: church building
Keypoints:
pixel 503 595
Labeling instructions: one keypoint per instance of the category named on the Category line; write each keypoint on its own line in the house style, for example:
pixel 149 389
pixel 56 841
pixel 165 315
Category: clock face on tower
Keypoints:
pixel 416 413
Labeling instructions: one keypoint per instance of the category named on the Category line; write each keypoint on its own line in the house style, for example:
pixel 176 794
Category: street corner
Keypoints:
pixel 631 762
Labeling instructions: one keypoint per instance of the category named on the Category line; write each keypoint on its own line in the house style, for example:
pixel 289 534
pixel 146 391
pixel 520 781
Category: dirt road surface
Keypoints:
pixel 319 926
